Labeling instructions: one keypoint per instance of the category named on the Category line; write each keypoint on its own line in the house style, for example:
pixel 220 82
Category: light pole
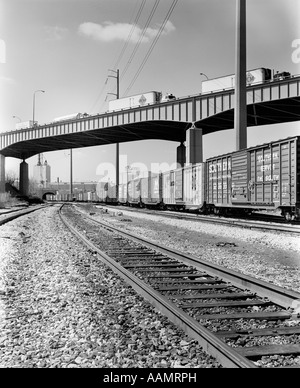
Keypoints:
pixel 71 174
pixel 117 76
pixel 33 111
pixel 240 112
pixel 204 75
pixel 16 117
pixel 33 124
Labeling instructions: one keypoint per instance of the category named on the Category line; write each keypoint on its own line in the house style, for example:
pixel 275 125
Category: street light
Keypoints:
pixel 16 117
pixel 42 91
pixel 204 75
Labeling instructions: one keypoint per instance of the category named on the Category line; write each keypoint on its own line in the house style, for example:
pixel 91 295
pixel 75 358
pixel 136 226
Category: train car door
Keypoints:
pixel 179 185
pixel 239 165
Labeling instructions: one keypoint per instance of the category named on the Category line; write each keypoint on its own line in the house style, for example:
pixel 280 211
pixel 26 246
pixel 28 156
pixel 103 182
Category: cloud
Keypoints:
pixel 55 33
pixel 108 31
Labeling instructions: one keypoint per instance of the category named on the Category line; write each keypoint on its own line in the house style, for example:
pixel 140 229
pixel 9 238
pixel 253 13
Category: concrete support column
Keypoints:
pixel 2 174
pixel 24 180
pixel 180 157
pixel 194 146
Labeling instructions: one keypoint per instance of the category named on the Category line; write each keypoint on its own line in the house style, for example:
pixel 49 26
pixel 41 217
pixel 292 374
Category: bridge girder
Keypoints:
pixel 268 112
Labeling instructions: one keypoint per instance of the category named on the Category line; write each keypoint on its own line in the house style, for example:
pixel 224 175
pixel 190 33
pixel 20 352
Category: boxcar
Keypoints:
pixel 151 189
pixel 193 187
pixel 134 192
pixel 89 196
pixel 173 189
pixel 123 179
pixel 168 191
pixel 123 193
pixel 101 191
pixel 258 178
pixel 111 193
pixel 92 196
pixel 184 188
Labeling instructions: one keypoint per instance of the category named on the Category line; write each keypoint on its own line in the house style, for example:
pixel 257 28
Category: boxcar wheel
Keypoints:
pixel 217 211
pixel 288 216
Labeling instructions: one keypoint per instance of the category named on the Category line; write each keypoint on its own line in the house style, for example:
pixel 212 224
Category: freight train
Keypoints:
pixel 265 177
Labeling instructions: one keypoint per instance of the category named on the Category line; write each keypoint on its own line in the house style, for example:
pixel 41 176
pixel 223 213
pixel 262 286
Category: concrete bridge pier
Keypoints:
pixel 181 155
pixel 194 145
pixel 2 174
pixel 24 180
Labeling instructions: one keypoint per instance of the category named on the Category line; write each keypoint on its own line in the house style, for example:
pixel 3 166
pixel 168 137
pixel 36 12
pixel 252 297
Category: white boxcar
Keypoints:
pixel 168 190
pixel 172 187
pixel 134 191
pixel 255 76
pixel 193 186
pixel 123 178
pixel 89 196
pixel 123 193
pixel 134 101
pixel 151 192
pixel 145 189
pixel 101 191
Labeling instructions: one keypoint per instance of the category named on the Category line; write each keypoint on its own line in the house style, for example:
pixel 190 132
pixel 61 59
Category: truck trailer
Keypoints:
pixel 139 100
pixel 253 77
pixel 134 101
pixel 26 124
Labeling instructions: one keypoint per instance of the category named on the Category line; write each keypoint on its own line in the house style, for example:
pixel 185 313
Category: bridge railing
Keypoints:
pixel 185 109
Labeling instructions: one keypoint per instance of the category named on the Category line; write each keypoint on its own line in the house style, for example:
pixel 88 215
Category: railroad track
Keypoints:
pixel 259 222
pixel 234 317
pixel 12 214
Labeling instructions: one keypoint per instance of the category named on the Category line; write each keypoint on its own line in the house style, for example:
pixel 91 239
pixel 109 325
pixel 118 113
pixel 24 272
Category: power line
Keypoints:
pixel 136 47
pixel 123 50
pixel 130 33
pixel 171 9
pixel 141 37
pixel 99 95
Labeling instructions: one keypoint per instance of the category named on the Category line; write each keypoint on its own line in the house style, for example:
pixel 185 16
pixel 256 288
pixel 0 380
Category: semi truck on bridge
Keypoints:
pixel 139 100
pixel 253 77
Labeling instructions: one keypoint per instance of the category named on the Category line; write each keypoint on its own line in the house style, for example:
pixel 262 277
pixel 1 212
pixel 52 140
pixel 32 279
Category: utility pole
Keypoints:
pixel 33 118
pixel 71 174
pixel 240 112
pixel 117 76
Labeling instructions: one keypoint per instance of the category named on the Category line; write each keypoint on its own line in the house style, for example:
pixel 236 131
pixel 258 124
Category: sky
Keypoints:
pixel 66 48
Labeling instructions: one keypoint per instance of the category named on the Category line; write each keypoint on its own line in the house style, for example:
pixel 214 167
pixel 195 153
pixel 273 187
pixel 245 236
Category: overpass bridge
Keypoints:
pixel 181 120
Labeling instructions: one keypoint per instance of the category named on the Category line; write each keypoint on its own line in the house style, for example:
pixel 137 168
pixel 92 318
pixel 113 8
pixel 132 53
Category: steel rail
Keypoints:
pixel 226 355
pixel 9 216
pixel 249 224
pixel 278 295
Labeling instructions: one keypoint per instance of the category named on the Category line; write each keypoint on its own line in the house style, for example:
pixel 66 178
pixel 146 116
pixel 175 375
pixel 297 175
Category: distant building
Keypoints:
pixel 42 174
pixel 78 187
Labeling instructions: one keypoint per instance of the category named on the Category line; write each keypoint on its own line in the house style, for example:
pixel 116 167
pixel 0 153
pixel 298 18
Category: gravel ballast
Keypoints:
pixel 60 307
pixel 266 255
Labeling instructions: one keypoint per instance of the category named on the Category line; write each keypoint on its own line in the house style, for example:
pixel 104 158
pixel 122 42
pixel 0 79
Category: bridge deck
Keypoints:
pixel 268 103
